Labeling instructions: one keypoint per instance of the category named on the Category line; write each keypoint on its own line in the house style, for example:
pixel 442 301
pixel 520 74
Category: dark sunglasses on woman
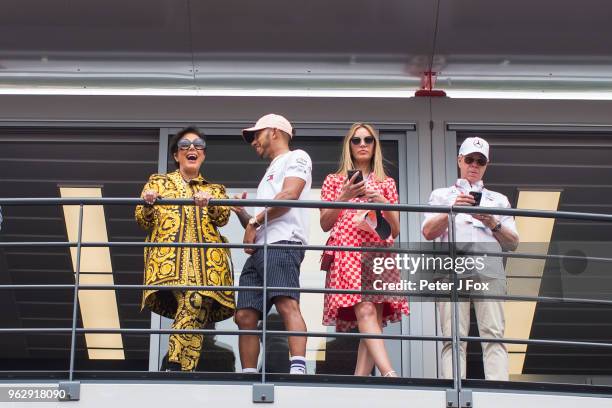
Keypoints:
pixel 481 161
pixel 357 140
pixel 185 144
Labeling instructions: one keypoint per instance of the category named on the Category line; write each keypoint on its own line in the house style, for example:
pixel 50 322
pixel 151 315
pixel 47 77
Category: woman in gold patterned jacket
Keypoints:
pixel 174 266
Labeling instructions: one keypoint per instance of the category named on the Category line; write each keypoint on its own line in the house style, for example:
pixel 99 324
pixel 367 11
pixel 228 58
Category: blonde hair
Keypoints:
pixel 346 160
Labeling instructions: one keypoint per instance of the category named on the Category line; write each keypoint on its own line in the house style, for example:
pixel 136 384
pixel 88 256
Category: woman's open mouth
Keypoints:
pixel 192 157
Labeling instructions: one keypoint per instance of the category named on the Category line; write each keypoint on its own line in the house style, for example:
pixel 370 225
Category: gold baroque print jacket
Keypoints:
pixel 171 266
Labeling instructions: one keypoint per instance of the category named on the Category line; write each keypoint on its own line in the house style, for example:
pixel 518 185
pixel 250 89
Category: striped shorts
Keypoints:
pixel 283 270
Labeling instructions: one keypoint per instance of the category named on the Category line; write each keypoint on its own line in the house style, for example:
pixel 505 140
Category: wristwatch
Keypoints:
pixel 497 227
pixel 253 221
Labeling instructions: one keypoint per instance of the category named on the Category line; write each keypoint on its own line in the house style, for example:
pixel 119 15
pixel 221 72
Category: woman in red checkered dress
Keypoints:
pixel 361 151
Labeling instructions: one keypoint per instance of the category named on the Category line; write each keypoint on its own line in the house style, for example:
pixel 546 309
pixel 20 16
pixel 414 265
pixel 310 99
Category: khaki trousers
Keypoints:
pixel 491 323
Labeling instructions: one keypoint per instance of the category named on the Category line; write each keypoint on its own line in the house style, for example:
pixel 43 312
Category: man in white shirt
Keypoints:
pixel 289 177
pixel 495 233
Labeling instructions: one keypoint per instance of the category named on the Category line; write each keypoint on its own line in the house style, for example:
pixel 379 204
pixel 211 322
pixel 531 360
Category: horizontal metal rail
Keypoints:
pixel 212 332
pixel 394 293
pixel 543 342
pixel 315 204
pixel 215 332
pixel 393 250
pixel 218 245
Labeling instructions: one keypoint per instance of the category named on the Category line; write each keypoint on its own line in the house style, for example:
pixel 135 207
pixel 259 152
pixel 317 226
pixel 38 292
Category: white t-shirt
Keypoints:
pixel 293 225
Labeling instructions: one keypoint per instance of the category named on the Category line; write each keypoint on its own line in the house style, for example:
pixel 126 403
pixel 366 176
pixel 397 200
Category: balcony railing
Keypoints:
pixel 456 396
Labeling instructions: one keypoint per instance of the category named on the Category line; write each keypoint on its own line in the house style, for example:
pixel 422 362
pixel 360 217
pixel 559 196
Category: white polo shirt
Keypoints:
pixel 470 230
pixel 293 225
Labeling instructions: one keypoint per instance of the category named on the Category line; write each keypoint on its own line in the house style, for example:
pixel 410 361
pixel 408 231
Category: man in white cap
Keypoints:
pixel 495 233
pixel 288 177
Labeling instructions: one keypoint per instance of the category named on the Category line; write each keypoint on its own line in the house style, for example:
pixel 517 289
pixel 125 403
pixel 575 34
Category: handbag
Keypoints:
pixel 373 221
pixel 327 258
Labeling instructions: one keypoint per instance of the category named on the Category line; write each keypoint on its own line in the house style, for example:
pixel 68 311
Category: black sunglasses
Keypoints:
pixel 185 144
pixel 357 140
pixel 481 160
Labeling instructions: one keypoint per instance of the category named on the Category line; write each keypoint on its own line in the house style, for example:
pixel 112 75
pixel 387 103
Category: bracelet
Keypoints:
pixel 497 227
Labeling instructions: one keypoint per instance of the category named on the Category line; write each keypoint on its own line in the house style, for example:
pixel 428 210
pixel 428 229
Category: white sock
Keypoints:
pixel 298 365
pixel 249 370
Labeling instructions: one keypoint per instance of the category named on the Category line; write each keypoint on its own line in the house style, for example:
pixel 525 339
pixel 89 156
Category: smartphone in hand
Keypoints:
pixel 477 196
pixel 359 177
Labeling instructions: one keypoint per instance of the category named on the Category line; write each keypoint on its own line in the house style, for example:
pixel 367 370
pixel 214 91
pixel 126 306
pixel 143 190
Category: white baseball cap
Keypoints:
pixel 474 145
pixel 271 120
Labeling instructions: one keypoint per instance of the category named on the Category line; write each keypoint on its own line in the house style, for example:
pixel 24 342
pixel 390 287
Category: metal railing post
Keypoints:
pixel 454 306
pixel 71 386
pixel 455 398
pixel 265 298
pixel 75 302
pixel 264 392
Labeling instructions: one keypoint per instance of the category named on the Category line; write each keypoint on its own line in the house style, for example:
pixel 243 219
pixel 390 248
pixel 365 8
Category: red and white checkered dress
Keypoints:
pixel 346 270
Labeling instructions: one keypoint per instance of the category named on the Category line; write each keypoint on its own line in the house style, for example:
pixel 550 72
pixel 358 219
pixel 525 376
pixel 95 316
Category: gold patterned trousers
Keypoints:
pixel 193 312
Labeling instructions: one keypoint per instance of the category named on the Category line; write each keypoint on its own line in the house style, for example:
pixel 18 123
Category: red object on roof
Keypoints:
pixel 428 81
